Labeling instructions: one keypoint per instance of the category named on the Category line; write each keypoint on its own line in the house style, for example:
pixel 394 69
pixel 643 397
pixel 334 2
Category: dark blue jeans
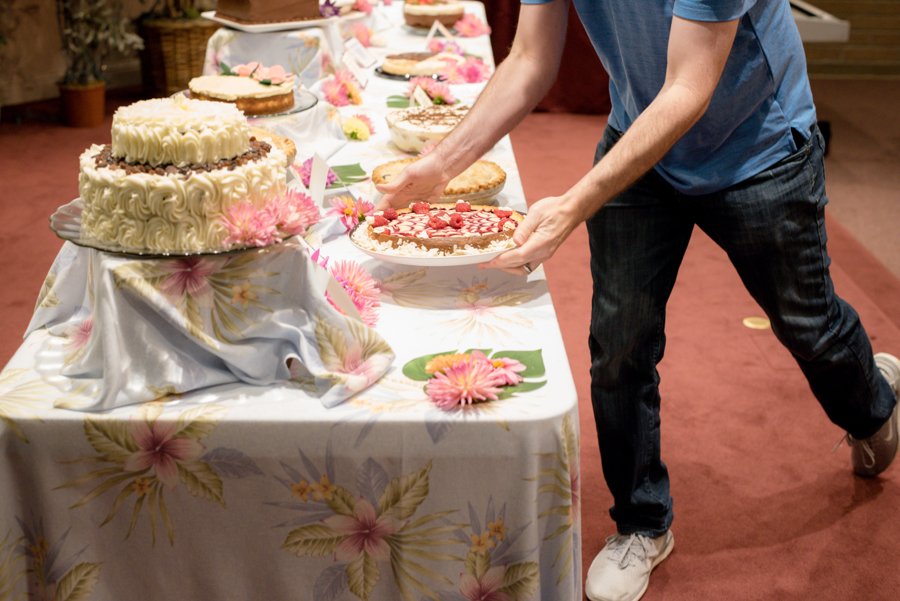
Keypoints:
pixel 772 227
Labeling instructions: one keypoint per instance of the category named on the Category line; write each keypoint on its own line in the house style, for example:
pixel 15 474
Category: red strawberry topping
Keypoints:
pixel 504 221
pixel 463 207
pixel 389 214
pixel 456 220
pixel 502 213
pixel 421 208
pixel 379 221
pixel 437 223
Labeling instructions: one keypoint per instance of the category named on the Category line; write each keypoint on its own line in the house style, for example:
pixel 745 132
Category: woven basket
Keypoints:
pixel 174 50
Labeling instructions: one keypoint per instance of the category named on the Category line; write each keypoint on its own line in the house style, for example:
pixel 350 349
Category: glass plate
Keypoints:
pixel 488 196
pixel 423 31
pixel 66 223
pixel 282 26
pixel 303 101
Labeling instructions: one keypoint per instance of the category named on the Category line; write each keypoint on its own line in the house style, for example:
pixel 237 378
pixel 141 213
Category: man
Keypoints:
pixel 712 124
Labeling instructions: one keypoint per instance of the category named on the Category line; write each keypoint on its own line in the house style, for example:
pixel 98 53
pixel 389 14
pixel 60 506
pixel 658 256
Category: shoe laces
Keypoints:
pixel 864 446
pixel 624 548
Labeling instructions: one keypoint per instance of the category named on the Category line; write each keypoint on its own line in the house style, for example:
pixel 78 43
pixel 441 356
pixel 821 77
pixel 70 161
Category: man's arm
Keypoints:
pixel 518 85
pixel 697 53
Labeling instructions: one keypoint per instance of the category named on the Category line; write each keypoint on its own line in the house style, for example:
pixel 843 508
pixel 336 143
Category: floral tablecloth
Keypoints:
pixel 229 490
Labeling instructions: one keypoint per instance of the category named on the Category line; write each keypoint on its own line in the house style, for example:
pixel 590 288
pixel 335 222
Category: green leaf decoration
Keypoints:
pixel 312 540
pixel 415 369
pixel 226 70
pixel 532 360
pixel 341 501
pixel 509 391
pixel 397 102
pixel 486 351
pixel 478 563
pixel 362 575
pixel 201 481
pixel 403 495
pixel 520 580
pixel 348 174
pixel 79 582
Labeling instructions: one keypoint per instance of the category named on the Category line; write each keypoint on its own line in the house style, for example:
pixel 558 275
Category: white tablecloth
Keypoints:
pixel 236 491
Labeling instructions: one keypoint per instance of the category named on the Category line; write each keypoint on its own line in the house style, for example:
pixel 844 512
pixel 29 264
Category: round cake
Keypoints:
pixel 422 14
pixel 480 178
pixel 173 170
pixel 413 128
pixel 428 64
pixel 249 95
pixel 439 229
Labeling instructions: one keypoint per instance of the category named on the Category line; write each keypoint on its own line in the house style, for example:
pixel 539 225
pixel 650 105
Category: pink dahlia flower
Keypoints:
pixel 305 171
pixel 473 70
pixel 471 26
pixel 335 92
pixel 349 211
pixel 293 213
pixel 363 6
pixel 464 383
pixel 362 289
pixel 249 226
pixel 505 368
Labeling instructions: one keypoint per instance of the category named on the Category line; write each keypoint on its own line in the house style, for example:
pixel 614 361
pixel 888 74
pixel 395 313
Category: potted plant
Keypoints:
pixel 175 37
pixel 90 30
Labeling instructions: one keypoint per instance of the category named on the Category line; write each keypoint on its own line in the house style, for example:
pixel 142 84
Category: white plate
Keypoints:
pixel 281 26
pixel 439 261
pixel 303 101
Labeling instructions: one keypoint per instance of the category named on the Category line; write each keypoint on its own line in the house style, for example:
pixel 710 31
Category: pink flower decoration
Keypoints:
pixel 363 6
pixel 486 589
pixel 305 172
pixel 189 277
pixel 429 146
pixel 362 289
pixel 472 70
pixel 160 449
pixel 363 34
pixel 367 121
pixel 505 368
pixel 349 211
pixel 335 92
pixel 248 226
pixel 471 26
pixel 365 533
pixel 387 2
pixel 344 76
pixel 437 91
pixel 450 46
pixel 463 383
pixel 293 213
pixel 79 335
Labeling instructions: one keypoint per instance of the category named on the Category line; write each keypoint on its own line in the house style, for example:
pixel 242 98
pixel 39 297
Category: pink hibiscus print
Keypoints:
pixel 486 589
pixel 160 449
pixel 365 533
pixel 189 277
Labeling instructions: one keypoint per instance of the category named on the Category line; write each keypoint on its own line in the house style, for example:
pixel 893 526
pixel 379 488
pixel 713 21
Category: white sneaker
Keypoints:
pixel 871 456
pixel 621 571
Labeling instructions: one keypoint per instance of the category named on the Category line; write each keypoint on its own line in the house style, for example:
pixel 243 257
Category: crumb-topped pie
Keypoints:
pixel 480 177
pixel 439 229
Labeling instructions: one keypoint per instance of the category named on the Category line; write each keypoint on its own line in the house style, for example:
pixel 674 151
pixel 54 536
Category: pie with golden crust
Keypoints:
pixel 424 64
pixel 479 177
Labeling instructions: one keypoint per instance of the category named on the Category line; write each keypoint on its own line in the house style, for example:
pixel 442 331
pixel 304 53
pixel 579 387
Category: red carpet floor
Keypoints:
pixel 763 509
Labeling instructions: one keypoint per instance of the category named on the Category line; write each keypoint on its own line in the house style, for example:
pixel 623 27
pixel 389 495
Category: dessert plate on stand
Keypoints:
pixel 281 26
pixel 303 101
pixel 66 223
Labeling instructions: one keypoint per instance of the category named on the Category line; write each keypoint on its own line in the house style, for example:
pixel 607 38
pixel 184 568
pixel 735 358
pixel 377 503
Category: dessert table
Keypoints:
pixel 269 445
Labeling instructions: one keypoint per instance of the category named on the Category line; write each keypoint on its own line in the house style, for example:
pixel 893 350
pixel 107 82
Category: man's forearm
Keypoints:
pixel 517 86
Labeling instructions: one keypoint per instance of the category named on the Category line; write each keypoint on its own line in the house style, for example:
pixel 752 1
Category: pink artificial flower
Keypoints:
pixel 344 76
pixel 318 257
pixel 471 26
pixel 363 34
pixel 249 226
pixel 79 335
pixel 293 212
pixel 387 2
pixel 437 91
pixel 245 70
pixel 463 383
pixel 305 172
pixel 505 368
pixel 365 533
pixel 363 6
pixel 335 92
pixel 486 589
pixel 367 121
pixel 188 276
pixel 450 46
pixel 159 449
pixel 349 211
pixel 362 289
pixel 429 146
pixel 473 70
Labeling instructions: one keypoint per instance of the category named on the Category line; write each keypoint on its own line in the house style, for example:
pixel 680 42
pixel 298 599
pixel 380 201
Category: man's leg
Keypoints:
pixel 637 244
pixel 773 229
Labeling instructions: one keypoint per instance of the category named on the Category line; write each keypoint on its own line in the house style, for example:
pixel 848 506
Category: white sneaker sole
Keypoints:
pixel 670 544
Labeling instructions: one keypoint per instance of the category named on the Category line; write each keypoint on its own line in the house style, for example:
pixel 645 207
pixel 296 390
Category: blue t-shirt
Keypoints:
pixel 763 94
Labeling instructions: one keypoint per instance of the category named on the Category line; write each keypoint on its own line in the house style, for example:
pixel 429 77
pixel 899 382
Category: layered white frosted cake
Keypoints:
pixel 174 168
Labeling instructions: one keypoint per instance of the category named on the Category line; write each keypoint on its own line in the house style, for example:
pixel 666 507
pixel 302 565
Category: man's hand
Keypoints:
pixel 546 225
pixel 421 181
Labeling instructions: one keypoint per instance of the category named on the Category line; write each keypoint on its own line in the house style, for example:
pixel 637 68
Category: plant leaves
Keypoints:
pixel 312 540
pixel 415 369
pixel 79 582
pixel 532 360
pixel 330 584
pixel 397 102
pixel 201 481
pixel 403 495
pixel 520 580
pixel 362 575
pixel 232 463
pixel 508 391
